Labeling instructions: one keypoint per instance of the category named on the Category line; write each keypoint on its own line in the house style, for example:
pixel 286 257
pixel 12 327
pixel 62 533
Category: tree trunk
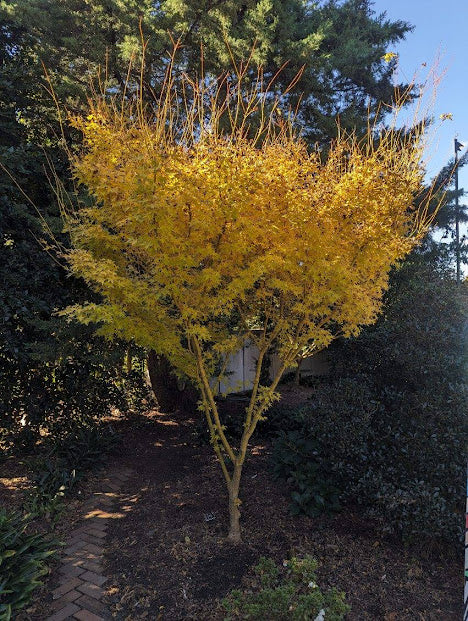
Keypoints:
pixel 234 535
pixel 297 376
pixel 163 382
pixel 165 386
pixel 128 361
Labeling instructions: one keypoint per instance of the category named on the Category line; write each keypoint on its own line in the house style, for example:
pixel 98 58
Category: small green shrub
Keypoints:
pixel 79 446
pixel 52 481
pixel 325 446
pixel 296 459
pixel 83 444
pixel 22 562
pixel 289 593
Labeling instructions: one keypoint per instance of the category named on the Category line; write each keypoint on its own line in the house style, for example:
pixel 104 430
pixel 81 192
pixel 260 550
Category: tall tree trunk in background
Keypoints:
pixel 163 382
pixel 166 388
pixel 297 375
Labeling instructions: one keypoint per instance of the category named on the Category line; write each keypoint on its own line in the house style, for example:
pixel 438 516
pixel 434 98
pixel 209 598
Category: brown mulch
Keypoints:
pixel 168 558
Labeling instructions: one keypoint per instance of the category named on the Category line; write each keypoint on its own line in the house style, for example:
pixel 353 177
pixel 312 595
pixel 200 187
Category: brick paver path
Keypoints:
pixel 80 592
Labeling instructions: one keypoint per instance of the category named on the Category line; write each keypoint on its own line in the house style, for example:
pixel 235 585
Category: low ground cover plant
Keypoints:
pixel 285 593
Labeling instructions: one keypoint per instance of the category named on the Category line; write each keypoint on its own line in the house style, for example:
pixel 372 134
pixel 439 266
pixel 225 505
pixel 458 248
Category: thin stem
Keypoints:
pixel 210 399
pixel 214 439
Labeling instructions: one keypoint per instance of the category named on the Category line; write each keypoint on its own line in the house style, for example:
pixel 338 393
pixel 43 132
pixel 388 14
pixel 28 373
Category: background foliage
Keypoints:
pixel 387 429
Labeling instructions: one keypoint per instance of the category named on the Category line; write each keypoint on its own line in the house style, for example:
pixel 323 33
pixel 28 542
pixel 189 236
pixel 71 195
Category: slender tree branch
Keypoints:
pixel 209 393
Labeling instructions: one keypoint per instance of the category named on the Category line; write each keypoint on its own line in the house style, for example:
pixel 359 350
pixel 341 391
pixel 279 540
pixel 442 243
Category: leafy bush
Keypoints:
pixel 402 458
pixel 80 377
pixel 388 429
pixel 51 482
pixel 82 444
pixel 295 458
pixel 287 593
pixel 75 449
pixel 22 562
pixel 325 445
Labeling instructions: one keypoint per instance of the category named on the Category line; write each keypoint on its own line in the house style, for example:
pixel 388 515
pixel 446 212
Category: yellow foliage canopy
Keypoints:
pixel 216 234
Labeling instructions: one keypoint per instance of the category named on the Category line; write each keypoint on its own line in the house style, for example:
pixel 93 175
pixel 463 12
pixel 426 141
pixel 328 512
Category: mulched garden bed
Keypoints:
pixel 168 558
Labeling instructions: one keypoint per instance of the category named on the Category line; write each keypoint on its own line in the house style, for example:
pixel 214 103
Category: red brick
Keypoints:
pixel 95 532
pixel 86 615
pixel 90 603
pixel 73 548
pixel 69 597
pixel 92 558
pixel 64 613
pixel 91 547
pixel 65 587
pixel 90 539
pixel 90 576
pixel 75 559
pixel 74 540
pixel 91 589
pixel 70 570
pixel 97 522
pixel 92 566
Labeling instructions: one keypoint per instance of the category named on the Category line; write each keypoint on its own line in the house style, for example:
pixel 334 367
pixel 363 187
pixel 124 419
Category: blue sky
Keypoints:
pixel 440 34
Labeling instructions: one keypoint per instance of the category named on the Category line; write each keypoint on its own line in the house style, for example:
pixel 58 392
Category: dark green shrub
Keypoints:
pixel 327 446
pixel 295 458
pixel 388 428
pixel 81 445
pixel 22 562
pixel 74 449
pixel 402 459
pixel 80 378
pixel 52 481
pixel 286 593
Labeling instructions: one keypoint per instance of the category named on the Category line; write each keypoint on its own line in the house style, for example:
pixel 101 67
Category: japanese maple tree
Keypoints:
pixel 213 224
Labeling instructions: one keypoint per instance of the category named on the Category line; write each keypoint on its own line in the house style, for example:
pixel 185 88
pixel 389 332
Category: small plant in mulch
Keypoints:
pixel 288 593
pixel 23 559
pixel 79 448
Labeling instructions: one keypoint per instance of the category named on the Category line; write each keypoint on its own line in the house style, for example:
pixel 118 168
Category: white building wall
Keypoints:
pixel 241 368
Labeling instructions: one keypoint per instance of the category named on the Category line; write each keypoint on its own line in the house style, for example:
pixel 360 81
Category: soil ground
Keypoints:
pixel 168 557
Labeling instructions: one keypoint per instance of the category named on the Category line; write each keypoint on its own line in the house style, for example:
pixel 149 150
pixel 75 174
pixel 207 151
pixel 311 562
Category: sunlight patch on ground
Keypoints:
pixel 98 513
pixel 14 483
pixel 168 423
